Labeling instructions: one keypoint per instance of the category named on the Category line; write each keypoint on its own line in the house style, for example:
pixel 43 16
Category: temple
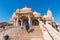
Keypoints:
pixel 20 16
pixel 41 27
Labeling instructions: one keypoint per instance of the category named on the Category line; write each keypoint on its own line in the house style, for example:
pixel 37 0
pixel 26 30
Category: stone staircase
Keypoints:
pixel 18 34
pixel 35 35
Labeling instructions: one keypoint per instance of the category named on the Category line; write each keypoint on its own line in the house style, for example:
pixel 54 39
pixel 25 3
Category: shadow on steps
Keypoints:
pixel 31 30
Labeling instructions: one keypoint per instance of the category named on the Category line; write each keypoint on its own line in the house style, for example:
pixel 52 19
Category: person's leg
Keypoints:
pixel 28 29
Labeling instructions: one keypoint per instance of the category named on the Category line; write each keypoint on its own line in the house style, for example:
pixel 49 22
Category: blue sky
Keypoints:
pixel 7 7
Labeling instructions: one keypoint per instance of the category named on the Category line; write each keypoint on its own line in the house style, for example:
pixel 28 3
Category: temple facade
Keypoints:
pixel 21 16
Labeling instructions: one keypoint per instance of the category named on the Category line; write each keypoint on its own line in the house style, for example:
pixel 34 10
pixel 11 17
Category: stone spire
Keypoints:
pixel 49 13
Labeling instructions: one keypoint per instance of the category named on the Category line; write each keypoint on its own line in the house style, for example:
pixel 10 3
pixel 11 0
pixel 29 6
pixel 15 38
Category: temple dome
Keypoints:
pixel 26 8
pixel 36 14
pixel 45 16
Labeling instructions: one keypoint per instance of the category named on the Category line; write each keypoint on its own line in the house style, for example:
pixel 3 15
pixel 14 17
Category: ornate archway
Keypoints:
pixel 24 19
pixel 35 22
pixel 19 22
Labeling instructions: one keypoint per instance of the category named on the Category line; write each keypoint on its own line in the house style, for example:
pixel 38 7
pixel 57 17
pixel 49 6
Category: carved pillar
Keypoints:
pixel 14 22
pixel 17 21
pixel 29 20
pixel 39 21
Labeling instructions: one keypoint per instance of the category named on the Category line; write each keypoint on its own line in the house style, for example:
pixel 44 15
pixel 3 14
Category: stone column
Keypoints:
pixel 39 21
pixel 29 20
pixel 14 22
pixel 17 21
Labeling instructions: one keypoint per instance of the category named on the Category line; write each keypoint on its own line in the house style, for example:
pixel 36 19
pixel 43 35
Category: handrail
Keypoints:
pixel 53 32
pixel 49 33
pixel 45 31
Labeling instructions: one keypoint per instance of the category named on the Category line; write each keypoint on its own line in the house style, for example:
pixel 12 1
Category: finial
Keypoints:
pixel 48 8
pixel 25 6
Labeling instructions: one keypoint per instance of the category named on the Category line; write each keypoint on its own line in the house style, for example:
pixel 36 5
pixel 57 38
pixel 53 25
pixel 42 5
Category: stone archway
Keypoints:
pixel 35 22
pixel 19 22
pixel 24 19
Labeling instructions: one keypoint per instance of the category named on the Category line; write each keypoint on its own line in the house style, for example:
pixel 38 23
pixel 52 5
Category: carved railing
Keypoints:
pixel 49 32
pixel 54 33
pixel 46 33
